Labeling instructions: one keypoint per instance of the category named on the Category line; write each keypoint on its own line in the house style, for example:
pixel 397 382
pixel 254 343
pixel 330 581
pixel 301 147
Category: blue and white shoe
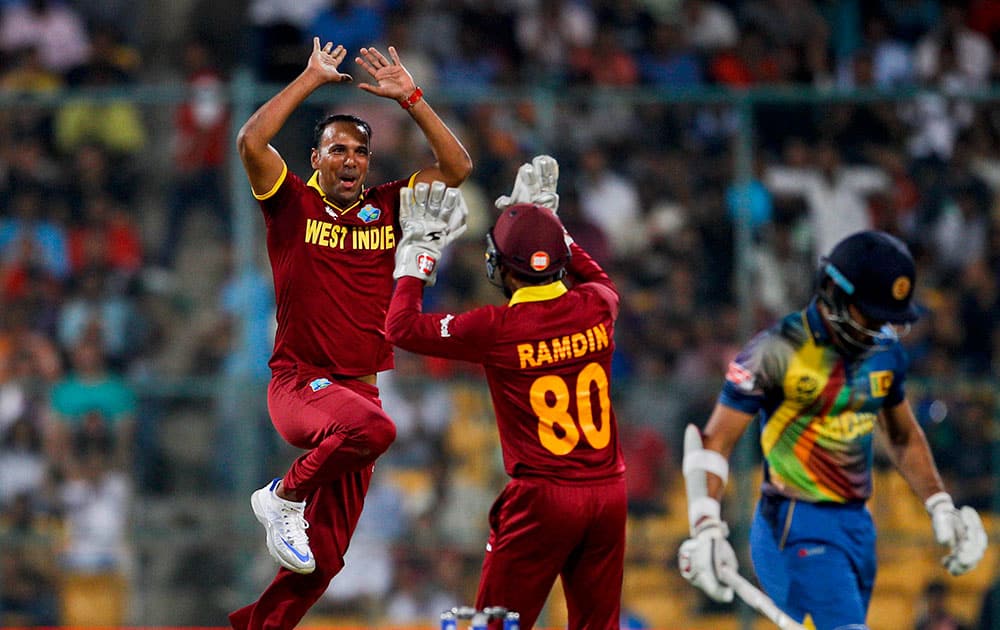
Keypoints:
pixel 286 526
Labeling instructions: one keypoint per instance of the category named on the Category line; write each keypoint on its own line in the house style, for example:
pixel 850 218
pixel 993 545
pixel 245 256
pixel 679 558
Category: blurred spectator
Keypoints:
pixel 708 25
pixel 23 466
pixel 96 310
pixel 29 358
pixel 750 201
pixel 122 16
pixel 414 597
pixel 936 614
pixel 669 61
pixel 369 562
pixel 952 42
pixel 92 172
pixel 433 27
pixel 984 17
pixel 29 579
pixel 632 22
pixel 349 23
pixel 246 303
pixel 109 55
pixel 749 63
pixel 106 238
pixel 891 60
pixel 26 73
pixel 96 501
pixel 278 34
pixel 609 200
pixel 237 346
pixel 91 402
pixel 421 409
pixel 54 27
pixel 116 126
pixel 398 32
pixel 31 240
pixel 958 235
pixel 911 19
pixel 782 274
pixel 980 309
pixel 792 23
pixel 606 63
pixel 201 142
pixel 844 23
pixel 896 209
pixel 299 13
pixel 475 63
pixel 836 194
pixel 650 468
pixel 548 30
pixel 989 612
pixel 958 426
pixel 588 234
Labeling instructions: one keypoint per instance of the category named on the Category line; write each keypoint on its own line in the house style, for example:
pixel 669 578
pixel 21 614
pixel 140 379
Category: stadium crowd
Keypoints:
pixel 118 274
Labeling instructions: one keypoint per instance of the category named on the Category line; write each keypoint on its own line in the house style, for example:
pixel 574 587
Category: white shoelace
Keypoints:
pixel 293 524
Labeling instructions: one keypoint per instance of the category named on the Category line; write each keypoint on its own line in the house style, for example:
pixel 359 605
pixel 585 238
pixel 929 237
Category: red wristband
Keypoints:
pixel 412 99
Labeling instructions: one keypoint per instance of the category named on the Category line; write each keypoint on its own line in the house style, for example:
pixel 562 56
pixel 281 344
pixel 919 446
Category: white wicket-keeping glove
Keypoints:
pixel 702 557
pixel 535 183
pixel 431 217
pixel 961 529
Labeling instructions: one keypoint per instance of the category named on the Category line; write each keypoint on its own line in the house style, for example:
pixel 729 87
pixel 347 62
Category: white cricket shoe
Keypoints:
pixel 286 526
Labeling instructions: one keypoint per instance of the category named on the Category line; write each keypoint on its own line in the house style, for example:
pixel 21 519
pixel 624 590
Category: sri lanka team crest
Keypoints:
pixel 369 213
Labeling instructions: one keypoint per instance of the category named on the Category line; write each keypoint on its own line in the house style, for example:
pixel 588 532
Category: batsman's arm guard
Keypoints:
pixel 697 462
pixel 705 557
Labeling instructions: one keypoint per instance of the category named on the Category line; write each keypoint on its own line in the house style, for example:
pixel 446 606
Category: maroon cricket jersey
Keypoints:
pixel 547 358
pixel 332 271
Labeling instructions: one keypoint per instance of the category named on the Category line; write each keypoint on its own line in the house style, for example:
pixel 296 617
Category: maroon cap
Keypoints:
pixel 531 240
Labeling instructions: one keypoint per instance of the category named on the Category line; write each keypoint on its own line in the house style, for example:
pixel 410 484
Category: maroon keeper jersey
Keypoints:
pixel 547 358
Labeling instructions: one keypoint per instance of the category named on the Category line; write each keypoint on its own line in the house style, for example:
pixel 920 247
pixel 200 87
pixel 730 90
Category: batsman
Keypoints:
pixel 823 381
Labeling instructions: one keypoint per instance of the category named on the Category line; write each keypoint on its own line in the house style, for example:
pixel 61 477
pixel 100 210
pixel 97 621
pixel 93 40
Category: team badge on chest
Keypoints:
pixel 369 213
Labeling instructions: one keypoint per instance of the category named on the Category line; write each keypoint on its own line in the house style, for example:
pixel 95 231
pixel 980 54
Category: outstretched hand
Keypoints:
pixel 326 60
pixel 392 80
pixel 431 217
pixel 535 183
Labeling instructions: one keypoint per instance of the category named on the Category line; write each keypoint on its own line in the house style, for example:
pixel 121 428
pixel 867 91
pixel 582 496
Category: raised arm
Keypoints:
pixel 262 162
pixel 392 80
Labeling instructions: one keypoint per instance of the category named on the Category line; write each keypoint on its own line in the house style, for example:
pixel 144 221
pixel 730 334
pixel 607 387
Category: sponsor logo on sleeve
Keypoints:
pixel 739 376
pixel 881 382
pixel 444 325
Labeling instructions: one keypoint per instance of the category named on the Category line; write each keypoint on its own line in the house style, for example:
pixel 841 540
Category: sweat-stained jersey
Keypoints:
pixel 818 410
pixel 332 271
pixel 547 358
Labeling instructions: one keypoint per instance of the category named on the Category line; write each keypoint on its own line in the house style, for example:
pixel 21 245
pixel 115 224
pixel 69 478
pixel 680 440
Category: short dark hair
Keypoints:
pixel 335 118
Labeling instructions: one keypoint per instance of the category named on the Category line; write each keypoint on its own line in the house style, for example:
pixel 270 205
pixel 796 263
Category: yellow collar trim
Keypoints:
pixel 538 293
pixel 314 184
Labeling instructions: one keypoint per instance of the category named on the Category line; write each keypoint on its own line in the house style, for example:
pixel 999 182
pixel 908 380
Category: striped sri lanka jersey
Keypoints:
pixel 818 408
